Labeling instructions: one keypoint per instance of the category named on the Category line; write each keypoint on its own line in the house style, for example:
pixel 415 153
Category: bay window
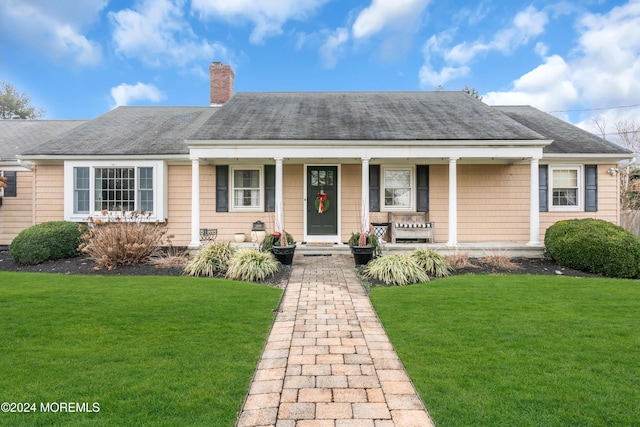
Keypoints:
pixel 94 187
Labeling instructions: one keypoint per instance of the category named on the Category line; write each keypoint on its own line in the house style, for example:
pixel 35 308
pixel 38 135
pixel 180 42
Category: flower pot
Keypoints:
pixel 239 237
pixel 284 254
pixel 362 254
pixel 258 236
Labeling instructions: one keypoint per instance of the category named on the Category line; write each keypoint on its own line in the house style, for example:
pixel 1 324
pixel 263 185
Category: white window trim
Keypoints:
pixel 412 193
pixel 579 207
pixel 159 190
pixel 1 189
pixel 232 189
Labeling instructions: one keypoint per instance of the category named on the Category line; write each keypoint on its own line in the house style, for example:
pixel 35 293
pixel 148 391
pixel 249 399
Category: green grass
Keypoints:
pixel 519 350
pixel 152 351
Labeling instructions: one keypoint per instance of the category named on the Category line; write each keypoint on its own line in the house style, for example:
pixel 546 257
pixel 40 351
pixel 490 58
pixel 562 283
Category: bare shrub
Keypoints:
pixel 123 238
pixel 500 261
pixel 171 259
pixel 460 260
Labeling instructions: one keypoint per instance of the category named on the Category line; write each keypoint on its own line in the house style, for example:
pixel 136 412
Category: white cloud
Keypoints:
pixel 527 25
pixel 547 87
pixel 53 30
pixel 381 14
pixel 268 16
pixel 430 79
pixel 333 46
pixel 125 94
pixel 157 32
pixel 603 72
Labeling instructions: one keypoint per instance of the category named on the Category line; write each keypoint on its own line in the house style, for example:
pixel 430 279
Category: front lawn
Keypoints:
pixel 151 351
pixel 519 350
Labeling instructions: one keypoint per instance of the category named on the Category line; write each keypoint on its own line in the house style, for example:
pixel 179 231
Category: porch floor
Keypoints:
pixel 474 250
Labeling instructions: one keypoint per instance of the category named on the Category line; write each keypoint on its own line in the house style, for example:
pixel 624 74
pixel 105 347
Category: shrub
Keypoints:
pixel 595 246
pixel 460 260
pixel 251 265
pixel 501 261
pixel 47 241
pixel 397 270
pixel 433 263
pixel 124 238
pixel 211 260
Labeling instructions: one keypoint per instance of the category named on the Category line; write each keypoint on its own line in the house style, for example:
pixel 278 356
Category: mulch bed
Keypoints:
pixel 81 265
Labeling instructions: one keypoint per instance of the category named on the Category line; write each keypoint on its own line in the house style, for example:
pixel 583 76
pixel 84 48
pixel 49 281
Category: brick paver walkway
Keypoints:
pixel 328 362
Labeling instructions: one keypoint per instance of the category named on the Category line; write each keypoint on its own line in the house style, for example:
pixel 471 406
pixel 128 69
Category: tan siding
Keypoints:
pixel 229 223
pixel 608 203
pixel 351 200
pixel 439 200
pixel 49 193
pixel 16 213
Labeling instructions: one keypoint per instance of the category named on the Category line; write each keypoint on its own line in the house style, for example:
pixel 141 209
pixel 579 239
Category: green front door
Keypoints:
pixel 322 200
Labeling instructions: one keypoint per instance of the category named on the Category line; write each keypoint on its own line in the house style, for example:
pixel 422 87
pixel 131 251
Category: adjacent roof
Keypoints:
pixel 360 116
pixel 140 131
pixel 566 137
pixel 19 136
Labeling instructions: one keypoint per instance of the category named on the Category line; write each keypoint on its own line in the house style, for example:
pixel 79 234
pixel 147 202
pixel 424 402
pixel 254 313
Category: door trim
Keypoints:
pixel 327 238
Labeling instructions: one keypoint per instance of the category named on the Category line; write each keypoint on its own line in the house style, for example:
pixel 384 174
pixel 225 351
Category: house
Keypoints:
pixel 18 200
pixel 481 173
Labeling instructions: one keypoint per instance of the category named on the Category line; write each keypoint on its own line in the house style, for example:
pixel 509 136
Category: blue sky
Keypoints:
pixel 80 58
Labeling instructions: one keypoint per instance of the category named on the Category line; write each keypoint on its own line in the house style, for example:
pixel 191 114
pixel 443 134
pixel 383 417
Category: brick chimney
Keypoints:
pixel 221 83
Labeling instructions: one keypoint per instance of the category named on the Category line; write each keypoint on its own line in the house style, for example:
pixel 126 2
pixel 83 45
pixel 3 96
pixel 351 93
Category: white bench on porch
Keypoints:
pixel 411 225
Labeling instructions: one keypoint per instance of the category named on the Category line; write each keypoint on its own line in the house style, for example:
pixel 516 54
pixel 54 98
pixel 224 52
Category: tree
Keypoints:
pixel 16 105
pixel 472 92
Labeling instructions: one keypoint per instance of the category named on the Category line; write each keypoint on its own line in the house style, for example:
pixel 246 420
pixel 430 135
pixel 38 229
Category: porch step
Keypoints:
pixel 474 250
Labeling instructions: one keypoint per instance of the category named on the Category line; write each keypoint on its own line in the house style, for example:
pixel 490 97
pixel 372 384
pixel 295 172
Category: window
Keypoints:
pixel 397 188
pixel 246 188
pixel 114 187
pixel 566 188
pixel 10 183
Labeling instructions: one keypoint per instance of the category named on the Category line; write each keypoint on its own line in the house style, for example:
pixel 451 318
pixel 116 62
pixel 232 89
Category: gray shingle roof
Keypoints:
pixel 18 136
pixel 138 131
pixel 566 137
pixel 360 116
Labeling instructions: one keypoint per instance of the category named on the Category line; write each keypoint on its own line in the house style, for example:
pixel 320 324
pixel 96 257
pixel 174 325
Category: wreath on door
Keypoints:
pixel 322 203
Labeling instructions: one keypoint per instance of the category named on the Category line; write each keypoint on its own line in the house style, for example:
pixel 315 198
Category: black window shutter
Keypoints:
pixel 12 185
pixel 543 179
pixel 374 188
pixel 422 187
pixel 222 188
pixel 270 188
pixel 591 188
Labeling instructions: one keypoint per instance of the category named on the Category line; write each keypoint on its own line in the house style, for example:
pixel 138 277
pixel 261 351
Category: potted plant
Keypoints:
pixel 281 245
pixel 364 247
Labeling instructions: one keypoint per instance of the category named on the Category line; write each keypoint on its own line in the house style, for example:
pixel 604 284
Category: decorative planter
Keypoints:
pixel 362 254
pixel 239 237
pixel 258 236
pixel 284 254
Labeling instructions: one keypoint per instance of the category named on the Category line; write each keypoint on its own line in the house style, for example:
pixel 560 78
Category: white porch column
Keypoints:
pixel 453 202
pixel 279 191
pixel 534 205
pixel 365 195
pixel 195 204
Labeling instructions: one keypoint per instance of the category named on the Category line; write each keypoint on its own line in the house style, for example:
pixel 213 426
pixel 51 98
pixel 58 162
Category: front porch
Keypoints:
pixel 474 250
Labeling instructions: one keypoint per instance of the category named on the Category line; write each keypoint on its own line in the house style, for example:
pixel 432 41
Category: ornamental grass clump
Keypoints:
pixel 212 260
pixel 123 238
pixel 250 265
pixel 433 263
pixel 396 270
